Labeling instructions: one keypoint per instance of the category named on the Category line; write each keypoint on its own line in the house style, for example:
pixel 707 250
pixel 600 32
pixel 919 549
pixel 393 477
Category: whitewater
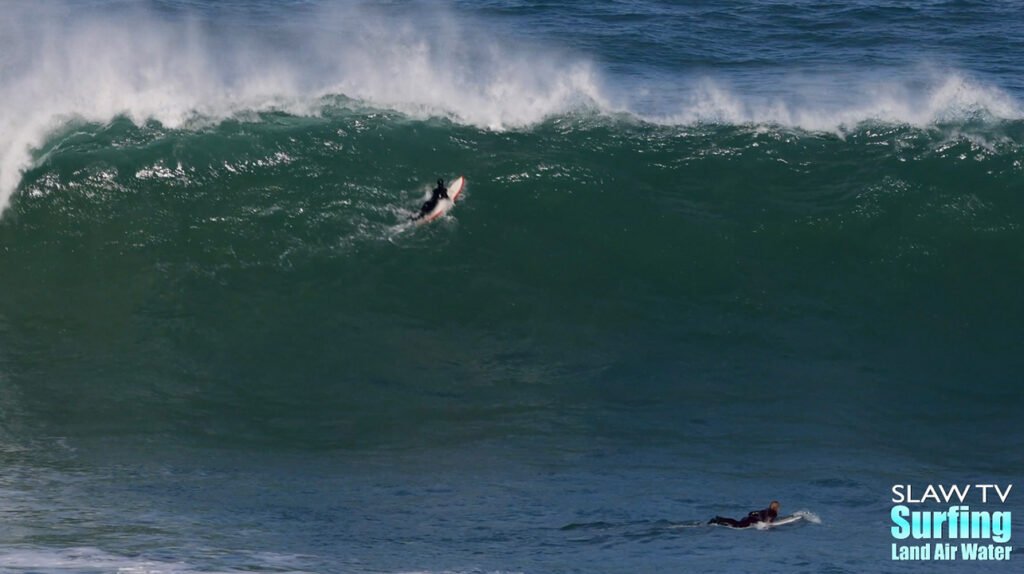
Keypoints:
pixel 185 66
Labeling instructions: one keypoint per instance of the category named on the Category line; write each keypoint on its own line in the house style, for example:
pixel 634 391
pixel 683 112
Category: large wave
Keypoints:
pixel 178 65
pixel 178 68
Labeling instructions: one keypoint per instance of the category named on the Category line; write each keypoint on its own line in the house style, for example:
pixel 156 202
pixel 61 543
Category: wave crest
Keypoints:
pixel 423 61
pixel 814 105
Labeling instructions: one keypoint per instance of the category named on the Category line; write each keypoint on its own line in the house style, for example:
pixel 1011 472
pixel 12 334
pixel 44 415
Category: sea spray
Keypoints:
pixel 65 66
pixel 189 65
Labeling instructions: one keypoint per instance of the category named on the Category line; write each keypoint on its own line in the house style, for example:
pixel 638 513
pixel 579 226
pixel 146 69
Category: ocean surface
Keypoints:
pixel 710 254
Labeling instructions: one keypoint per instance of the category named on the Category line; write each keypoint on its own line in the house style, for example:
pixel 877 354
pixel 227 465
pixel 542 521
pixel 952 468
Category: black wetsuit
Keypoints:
pixel 437 194
pixel 766 515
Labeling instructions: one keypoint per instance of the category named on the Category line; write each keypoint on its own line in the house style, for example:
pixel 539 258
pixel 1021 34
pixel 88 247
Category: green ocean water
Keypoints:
pixel 234 322
pixel 191 273
pixel 709 255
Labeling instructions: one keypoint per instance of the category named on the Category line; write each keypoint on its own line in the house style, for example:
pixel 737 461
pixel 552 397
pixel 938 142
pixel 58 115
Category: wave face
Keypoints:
pixel 273 250
pixel 693 239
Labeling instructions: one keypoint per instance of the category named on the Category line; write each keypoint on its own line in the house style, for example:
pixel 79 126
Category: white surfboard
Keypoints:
pixel 781 521
pixel 442 207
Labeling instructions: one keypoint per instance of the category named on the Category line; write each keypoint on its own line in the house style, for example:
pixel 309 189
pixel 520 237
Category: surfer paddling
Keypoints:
pixel 440 192
pixel 767 515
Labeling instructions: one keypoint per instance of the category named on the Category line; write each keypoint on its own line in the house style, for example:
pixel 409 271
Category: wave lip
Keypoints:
pixel 816 106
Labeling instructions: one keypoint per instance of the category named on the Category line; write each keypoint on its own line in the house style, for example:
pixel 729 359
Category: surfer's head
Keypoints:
pixel 774 505
pixel 440 182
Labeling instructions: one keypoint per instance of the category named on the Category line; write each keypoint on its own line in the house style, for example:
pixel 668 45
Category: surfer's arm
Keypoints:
pixel 761 516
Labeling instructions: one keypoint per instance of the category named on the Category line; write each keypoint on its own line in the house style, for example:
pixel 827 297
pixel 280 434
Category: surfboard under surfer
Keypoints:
pixel 440 192
pixel 767 515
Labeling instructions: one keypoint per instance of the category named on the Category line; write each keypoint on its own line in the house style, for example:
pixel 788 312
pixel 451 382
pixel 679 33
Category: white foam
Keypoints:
pixel 925 98
pixel 87 559
pixel 62 63
pixel 81 559
pixel 808 516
